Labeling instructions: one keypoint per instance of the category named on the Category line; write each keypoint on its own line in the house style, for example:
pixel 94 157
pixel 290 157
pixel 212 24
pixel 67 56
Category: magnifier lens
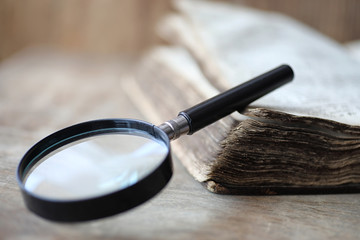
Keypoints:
pixel 95 166
pixel 95 169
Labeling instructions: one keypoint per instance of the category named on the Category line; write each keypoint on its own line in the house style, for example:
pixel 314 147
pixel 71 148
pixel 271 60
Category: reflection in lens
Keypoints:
pixel 95 166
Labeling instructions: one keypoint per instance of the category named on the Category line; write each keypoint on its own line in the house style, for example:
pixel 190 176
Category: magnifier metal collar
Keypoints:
pixel 105 205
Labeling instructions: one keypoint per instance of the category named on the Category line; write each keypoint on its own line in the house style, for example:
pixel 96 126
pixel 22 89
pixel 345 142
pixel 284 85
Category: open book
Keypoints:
pixel 303 137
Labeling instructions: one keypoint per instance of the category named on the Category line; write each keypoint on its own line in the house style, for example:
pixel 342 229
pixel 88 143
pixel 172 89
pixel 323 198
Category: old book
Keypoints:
pixel 304 137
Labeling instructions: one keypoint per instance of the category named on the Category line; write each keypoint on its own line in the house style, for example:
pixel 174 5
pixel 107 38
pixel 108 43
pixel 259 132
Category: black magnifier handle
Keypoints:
pixel 235 99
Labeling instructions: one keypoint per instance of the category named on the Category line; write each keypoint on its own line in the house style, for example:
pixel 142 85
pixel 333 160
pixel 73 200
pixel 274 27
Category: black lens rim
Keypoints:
pixel 105 205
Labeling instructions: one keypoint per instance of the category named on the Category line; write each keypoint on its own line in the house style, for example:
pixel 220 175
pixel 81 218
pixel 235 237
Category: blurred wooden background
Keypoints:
pixel 127 26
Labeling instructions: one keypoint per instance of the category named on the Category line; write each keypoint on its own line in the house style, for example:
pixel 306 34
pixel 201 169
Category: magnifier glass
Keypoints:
pixel 100 168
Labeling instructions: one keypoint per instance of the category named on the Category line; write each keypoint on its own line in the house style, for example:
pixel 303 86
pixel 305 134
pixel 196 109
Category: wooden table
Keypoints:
pixel 42 91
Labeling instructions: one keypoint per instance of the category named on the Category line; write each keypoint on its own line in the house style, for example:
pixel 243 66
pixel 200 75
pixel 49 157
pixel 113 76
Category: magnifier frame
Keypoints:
pixel 105 205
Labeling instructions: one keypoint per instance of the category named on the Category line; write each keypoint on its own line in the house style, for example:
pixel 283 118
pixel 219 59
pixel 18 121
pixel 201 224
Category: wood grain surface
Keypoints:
pixel 42 91
pixel 108 27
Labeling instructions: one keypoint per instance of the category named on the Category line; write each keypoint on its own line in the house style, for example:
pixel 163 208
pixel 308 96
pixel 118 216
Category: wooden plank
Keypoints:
pixel 103 27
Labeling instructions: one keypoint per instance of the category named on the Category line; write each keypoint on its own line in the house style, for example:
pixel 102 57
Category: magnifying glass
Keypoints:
pixel 100 168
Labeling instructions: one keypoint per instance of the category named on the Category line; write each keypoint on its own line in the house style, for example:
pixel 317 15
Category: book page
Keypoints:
pixel 268 151
pixel 278 149
pixel 236 44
